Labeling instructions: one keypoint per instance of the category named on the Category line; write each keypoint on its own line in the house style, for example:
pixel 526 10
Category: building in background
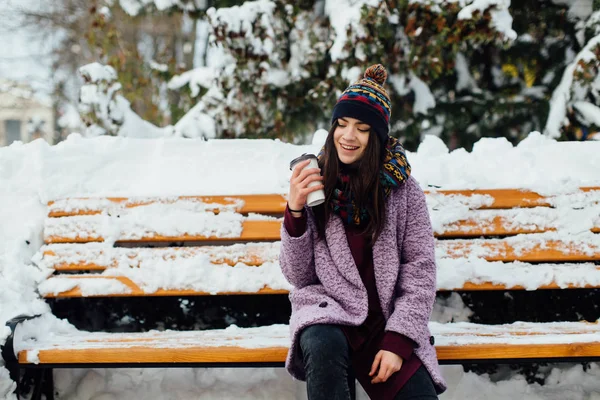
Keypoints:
pixel 24 115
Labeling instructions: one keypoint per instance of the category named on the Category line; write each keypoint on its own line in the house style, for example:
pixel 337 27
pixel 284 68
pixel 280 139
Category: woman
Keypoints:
pixel 362 264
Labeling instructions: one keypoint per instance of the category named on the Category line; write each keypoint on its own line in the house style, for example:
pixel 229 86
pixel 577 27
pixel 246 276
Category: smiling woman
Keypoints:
pixel 362 263
pixel 351 138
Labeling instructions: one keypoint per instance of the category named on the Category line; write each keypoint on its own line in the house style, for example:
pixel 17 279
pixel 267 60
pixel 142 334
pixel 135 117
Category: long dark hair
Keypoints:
pixel 364 184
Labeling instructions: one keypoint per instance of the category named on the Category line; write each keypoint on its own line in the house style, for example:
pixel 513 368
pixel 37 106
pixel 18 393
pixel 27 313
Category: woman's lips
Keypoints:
pixel 348 148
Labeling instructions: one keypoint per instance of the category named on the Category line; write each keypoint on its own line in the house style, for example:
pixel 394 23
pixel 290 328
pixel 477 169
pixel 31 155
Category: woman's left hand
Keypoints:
pixel 388 363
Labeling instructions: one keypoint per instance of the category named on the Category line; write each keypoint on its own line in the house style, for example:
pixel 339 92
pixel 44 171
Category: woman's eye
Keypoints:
pixel 341 126
pixel 363 130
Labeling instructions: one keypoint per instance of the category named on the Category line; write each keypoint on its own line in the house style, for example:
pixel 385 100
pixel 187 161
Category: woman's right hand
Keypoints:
pixel 299 181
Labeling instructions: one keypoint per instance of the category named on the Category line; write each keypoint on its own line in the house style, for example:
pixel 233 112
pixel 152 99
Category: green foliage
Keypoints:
pixel 283 78
pixel 409 39
pixel 514 81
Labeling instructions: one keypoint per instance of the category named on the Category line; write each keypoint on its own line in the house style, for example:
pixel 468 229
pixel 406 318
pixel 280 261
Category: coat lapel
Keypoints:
pixel 386 255
pixel 335 235
pixel 386 258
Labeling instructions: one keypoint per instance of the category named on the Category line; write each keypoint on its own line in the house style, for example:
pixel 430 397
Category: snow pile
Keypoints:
pixel 562 382
pixel 129 167
pixel 22 214
pixel 537 163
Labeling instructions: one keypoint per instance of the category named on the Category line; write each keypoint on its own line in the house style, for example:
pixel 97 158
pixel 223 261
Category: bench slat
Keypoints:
pixel 500 225
pixel 251 231
pixel 136 291
pixel 93 257
pixel 84 257
pixel 454 342
pixel 260 204
pixel 509 250
pixel 505 198
pixel 139 355
pixel 138 264
pixel 269 230
pixel 151 355
pixel 275 204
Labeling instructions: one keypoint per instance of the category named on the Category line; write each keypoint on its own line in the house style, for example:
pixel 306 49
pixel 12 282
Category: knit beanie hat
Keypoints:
pixel 367 101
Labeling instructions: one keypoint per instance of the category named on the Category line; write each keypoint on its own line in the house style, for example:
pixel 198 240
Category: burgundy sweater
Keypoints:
pixel 367 339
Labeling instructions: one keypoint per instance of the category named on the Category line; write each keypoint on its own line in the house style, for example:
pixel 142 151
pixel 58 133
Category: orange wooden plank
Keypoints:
pixel 498 226
pixel 157 355
pixel 502 250
pixel 275 203
pixel 508 198
pixel 260 204
pixel 494 250
pixel 136 291
pixel 231 354
pixel 470 286
pixel 264 230
pixel 258 230
pixel 254 256
pixel 517 351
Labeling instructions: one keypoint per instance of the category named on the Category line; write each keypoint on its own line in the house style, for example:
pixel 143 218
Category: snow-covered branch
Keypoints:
pixel 572 94
pixel 106 112
pixel 135 7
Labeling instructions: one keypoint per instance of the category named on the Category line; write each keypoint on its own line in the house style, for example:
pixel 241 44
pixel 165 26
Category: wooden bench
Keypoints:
pixel 487 240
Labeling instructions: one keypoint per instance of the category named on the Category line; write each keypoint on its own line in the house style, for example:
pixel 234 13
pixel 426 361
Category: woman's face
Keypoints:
pixel 351 137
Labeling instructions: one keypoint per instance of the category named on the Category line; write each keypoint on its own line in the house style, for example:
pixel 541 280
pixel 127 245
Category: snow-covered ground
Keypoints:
pixel 33 174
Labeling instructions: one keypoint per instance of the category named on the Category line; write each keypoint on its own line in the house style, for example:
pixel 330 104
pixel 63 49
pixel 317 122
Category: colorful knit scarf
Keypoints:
pixel 395 170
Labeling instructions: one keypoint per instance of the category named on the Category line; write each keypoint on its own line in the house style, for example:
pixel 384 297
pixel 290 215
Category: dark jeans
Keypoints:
pixel 418 387
pixel 329 372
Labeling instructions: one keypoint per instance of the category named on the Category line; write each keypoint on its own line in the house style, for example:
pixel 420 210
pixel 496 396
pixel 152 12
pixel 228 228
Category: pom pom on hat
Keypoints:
pixel 367 101
pixel 376 72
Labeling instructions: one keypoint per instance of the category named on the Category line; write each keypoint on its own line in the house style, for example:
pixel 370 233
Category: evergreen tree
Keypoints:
pixel 461 71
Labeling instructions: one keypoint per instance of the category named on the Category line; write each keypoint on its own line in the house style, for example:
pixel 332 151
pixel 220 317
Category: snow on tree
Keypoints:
pixel 574 107
pixel 105 111
pixel 135 7
pixel 281 65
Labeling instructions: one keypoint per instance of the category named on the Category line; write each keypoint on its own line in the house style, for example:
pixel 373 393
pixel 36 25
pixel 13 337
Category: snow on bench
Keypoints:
pixel 470 214
pixel 454 342
pixel 254 268
pixel 486 240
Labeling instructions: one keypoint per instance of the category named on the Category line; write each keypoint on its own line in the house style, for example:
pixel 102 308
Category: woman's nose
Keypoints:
pixel 350 133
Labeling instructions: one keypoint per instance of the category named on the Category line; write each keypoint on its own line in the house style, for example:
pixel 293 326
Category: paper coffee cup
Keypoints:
pixel 317 197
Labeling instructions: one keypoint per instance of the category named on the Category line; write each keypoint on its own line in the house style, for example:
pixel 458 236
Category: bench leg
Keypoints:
pixel 8 351
pixel 43 384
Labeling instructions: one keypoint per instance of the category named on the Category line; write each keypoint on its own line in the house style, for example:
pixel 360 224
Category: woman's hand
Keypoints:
pixel 299 181
pixel 388 363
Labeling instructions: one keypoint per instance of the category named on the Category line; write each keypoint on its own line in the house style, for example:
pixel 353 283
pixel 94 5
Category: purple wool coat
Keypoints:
pixel 328 288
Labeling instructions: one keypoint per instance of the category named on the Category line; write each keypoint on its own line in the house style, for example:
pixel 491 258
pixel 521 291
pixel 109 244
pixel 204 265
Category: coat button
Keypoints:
pixel 323 304
pixel 431 340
